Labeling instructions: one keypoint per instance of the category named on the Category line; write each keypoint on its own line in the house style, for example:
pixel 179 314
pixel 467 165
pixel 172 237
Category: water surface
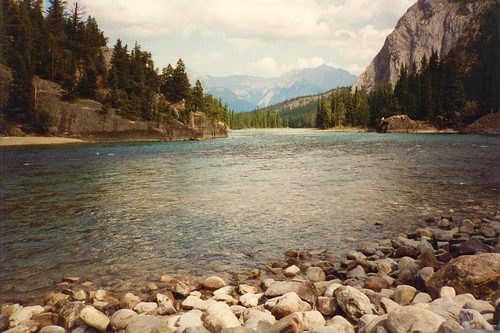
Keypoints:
pixel 121 214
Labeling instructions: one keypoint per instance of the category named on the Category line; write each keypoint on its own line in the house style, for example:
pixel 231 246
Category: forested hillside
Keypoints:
pixel 65 45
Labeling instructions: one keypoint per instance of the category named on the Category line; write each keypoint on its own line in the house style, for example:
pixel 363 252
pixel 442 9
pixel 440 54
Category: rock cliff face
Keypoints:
pixel 427 25
pixel 89 120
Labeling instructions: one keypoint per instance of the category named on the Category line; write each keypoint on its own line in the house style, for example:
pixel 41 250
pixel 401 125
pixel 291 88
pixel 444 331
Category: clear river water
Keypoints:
pixel 122 214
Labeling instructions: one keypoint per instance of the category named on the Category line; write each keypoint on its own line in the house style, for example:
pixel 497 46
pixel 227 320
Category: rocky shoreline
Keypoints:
pixel 443 277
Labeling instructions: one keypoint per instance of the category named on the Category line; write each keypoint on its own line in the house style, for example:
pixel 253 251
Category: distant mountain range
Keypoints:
pixel 246 93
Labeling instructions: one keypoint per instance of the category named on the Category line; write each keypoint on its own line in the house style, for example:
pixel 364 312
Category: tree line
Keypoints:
pixel 64 45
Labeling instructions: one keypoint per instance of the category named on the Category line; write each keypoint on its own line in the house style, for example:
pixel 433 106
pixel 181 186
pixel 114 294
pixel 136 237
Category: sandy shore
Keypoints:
pixel 35 140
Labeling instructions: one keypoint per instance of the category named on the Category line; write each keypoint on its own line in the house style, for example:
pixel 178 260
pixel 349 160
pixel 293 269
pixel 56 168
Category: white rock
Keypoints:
pixel 165 305
pixel 286 304
pixel 129 301
pixel 193 302
pixel 190 319
pixel 52 329
pixel 237 310
pixel 24 314
pixel 100 295
pixel 412 319
pixel 145 307
pixel 120 319
pixel 447 292
pixel 331 289
pixel 291 271
pixel 480 306
pixel 146 324
pixel 355 255
pixel 370 328
pixel 219 316
pixel 341 322
pixel 304 289
pixel 213 283
pixel 422 298
pixel 403 295
pixel 256 325
pixel 197 329
pixel 353 302
pixel 226 299
pixel 246 289
pixel 250 300
pixel 80 295
pixel 329 329
pixel 388 305
pixel 227 290
pixel 310 320
pixel 315 274
pixel 264 315
pixel 28 326
pixel 94 318
pixel 365 320
pixel 445 307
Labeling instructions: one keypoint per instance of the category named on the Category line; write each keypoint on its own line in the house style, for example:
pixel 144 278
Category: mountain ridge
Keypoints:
pixel 246 92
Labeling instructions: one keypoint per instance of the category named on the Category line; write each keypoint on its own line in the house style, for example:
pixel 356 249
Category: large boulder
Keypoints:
pixel 94 318
pixel 476 274
pixel 120 319
pixel 287 304
pixel 304 289
pixel 413 319
pixel 24 314
pixel 219 316
pixel 353 302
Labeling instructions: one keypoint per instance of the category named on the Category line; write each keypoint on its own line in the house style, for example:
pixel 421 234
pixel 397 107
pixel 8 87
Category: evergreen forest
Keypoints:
pixel 65 45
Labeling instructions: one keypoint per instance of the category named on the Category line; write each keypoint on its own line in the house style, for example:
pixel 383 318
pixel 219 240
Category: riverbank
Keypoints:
pixel 6 141
pixel 441 277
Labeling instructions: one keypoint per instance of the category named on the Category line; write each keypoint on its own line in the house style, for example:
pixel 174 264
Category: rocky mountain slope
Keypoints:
pixel 428 25
pixel 245 93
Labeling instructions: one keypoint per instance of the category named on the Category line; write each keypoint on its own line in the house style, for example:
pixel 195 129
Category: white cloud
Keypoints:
pixel 346 32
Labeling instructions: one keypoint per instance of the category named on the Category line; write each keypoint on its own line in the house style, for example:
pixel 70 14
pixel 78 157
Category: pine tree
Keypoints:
pixel 167 82
pixel 197 96
pixel 181 88
pixel 41 56
pixel 56 37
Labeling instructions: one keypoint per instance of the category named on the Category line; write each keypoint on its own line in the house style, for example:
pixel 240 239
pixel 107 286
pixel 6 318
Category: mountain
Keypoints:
pixel 428 25
pixel 246 93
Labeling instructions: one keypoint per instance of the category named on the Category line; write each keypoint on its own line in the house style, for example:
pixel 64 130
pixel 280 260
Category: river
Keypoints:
pixel 122 214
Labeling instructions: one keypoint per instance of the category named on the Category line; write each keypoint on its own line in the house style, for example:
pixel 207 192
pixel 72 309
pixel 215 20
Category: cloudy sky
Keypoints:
pixel 255 37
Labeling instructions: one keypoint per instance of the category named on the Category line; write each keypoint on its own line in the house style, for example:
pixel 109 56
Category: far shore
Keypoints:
pixel 35 140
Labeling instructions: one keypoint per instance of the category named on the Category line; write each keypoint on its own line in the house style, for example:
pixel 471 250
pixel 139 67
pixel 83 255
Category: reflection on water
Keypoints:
pixel 120 214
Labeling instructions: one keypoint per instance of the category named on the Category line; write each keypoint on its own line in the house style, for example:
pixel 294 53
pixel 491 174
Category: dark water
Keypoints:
pixel 122 214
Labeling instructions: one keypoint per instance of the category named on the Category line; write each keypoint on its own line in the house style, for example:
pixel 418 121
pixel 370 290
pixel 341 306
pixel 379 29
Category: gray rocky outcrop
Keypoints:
pixel 427 25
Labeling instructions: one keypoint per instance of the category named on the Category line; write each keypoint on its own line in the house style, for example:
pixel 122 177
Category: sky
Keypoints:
pixel 252 37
